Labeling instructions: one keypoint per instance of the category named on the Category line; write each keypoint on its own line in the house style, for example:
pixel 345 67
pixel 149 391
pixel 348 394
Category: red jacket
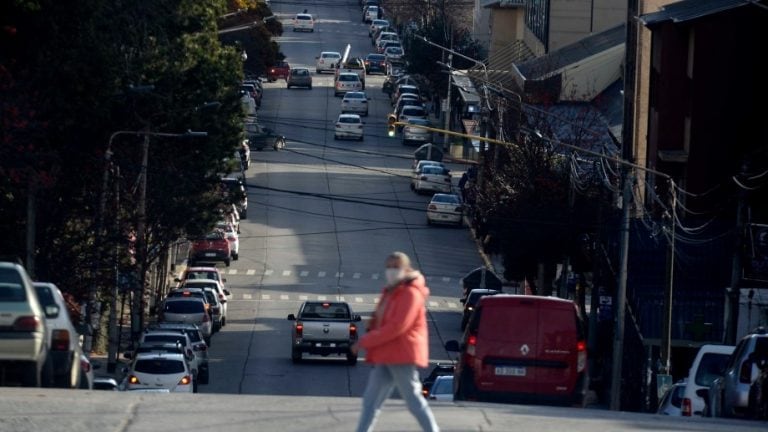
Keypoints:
pixel 399 336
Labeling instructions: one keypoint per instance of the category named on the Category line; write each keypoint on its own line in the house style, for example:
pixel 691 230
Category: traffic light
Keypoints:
pixel 391 128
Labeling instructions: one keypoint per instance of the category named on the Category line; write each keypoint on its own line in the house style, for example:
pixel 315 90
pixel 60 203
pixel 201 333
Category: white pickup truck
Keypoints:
pixel 323 328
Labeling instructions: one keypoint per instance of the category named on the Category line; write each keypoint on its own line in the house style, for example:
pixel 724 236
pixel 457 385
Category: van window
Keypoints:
pixel 558 327
pixel 508 322
pixel 711 367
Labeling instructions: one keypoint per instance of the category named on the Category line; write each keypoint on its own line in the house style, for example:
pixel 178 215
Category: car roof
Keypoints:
pixel 509 298
pixel 196 281
pixel 330 52
pixel 189 269
pixel 304 15
pixel 405 107
pixel 165 356
pixel 357 116
pixel 348 74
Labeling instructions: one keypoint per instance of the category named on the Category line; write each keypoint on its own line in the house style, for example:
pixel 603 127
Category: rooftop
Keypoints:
pixel 687 10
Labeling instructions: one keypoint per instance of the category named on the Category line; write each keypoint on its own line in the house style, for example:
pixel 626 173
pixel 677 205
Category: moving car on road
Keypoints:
pixel 160 371
pixel 300 77
pixel 280 70
pixel 64 338
pixel 324 328
pixel 327 61
pixel 445 209
pixel 432 179
pixel 442 390
pixel 353 65
pixel 347 82
pixel 470 303
pixel 375 63
pixel 349 126
pixel 356 103
pixel 303 22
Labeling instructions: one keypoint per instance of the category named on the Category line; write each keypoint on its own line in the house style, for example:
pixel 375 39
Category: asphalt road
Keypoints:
pixel 322 217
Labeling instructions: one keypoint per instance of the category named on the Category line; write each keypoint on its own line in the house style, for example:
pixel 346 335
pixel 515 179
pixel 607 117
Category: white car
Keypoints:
pixel 230 233
pixel 349 126
pixel 223 294
pixel 355 102
pixel 327 61
pixel 422 163
pixel 393 53
pixel 347 82
pixel 64 338
pixel 160 371
pixel 371 13
pixel 445 209
pixel 432 179
pixel 413 134
pixel 708 365
pixel 385 37
pixel 442 389
pixel 410 112
pixel 304 22
pixel 190 310
pixel 377 24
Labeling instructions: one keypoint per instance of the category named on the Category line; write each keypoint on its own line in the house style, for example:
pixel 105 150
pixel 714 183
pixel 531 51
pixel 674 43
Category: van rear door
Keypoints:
pixel 557 354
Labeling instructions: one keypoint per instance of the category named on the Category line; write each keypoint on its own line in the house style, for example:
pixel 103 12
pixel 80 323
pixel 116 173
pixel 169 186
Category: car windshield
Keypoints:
pixel 162 339
pixel 216 235
pixel 11 286
pixel 447 199
pixel 416 112
pixel 325 311
pixel 349 120
pixel 710 368
pixel 45 295
pixel 326 55
pixel 202 275
pixel 159 366
pixel 303 17
pixel 376 57
pixel 184 307
pixel 422 122
pixel 443 386
pixel 354 96
pixel 348 78
pixel 434 170
pixel 199 284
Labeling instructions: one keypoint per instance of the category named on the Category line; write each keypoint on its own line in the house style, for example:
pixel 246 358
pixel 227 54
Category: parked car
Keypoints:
pixel 231 235
pixel 160 371
pixel 223 294
pixel 708 365
pixel 671 403
pixel 417 135
pixel 377 24
pixel 348 126
pixel 189 311
pixel 303 22
pixel 432 179
pixel 424 163
pixel 64 341
pixel 440 369
pixel 404 86
pixel 445 209
pixel 25 339
pixel 213 247
pixel 173 332
pixel 544 360
pixel 347 82
pixel 375 63
pixel 174 337
pixel 410 112
pixel 384 37
pixel 371 13
pixel 758 393
pixel 300 77
pixel 729 395
pixel 442 390
pixel 407 99
pixel 193 273
pixel 280 70
pixel 252 91
pixel 471 302
pixel 355 102
pixel 234 189
pixel 208 293
pixel 260 138
pixel 327 61
pixel 324 328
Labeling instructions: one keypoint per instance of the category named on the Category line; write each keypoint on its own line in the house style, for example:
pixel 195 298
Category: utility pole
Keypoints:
pixel 447 125
pixel 666 335
pixel 732 293
pixel 137 317
pixel 113 332
pixel 31 227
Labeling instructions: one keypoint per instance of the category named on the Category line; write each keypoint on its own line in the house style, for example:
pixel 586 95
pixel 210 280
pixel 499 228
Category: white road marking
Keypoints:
pixel 340 298
pixel 434 304
pixel 265 297
pixel 268 272
pixel 251 272
pixel 376 300
pixel 356 276
pixel 446 279
pixel 375 276
pixel 304 273
pixel 320 274
pixel 303 297
pixel 358 299
pixel 247 296
pixel 232 271
pixel 284 297
pixel 452 305
pixel 339 275
pixel 286 272
pixel 321 298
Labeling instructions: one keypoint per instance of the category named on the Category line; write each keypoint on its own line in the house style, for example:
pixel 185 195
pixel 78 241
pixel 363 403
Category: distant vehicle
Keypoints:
pixel 25 339
pixel 230 233
pixel 377 24
pixel 406 99
pixel 300 77
pixel 347 82
pixel 324 328
pixel 417 135
pixel 442 390
pixel 543 360
pixel 729 395
pixel 190 311
pixel 303 22
pixel 253 91
pixel 440 369
pixel 355 102
pixel 672 402
pixel 393 53
pixel 353 65
pixel 349 126
pixel 471 302
pixel 480 277
pixel 410 112
pixel 207 293
pixel 213 247
pixel 235 190
pixel 708 365
pixel 375 63
pixel 371 13
pixel 260 137
pixel 327 61
pixel 445 209
pixel 280 70
pixel 385 37
pixel 192 273
pixel 223 293
pixel 64 338
pixel 180 332
pixel 160 371
pixel 404 87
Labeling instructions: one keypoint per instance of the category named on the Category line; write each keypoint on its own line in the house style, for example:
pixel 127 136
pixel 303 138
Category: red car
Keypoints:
pixel 522 349
pixel 213 247
pixel 280 70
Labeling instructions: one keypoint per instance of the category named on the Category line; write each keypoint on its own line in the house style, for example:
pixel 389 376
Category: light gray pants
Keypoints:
pixel 382 380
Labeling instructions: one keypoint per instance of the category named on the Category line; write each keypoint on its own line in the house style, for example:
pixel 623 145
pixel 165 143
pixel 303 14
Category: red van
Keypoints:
pixel 522 349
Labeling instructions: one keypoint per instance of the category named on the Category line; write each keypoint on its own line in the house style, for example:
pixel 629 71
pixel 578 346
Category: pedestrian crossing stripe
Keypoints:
pixel 250 272
pixel 268 272
pixel 286 272
pixel 304 273
pixel 432 304
pixel 320 274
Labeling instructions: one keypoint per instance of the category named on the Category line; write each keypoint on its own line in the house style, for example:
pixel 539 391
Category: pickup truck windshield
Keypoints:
pixel 327 310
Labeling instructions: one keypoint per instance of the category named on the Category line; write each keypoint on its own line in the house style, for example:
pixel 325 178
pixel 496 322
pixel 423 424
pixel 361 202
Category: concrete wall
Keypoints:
pixel 608 13
pixel 506 26
pixel 584 80
pixel 481 25
pixel 569 21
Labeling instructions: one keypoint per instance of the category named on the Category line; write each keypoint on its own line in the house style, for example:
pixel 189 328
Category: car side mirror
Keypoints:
pixel 703 393
pixel 51 311
pixel 127 355
pixel 357 318
pixel 291 317
pixel 227 292
pixel 463 301
pixel 452 346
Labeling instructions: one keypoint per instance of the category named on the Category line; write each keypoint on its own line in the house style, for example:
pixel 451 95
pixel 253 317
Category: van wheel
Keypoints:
pixel 46 375
pixel 204 376
pixel 295 356
pixel 466 389
pixel 226 262
pixel 194 385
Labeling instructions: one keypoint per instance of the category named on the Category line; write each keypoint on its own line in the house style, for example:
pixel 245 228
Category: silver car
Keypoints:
pixel 300 77
pixel 188 310
pixel 355 102
pixel 417 135
pixel 729 395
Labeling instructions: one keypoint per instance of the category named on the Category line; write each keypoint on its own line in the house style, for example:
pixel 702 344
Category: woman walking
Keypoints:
pixel 397 343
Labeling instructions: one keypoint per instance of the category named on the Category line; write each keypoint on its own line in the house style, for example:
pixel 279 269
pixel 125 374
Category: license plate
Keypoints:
pixel 210 254
pixel 510 371
pixel 319 344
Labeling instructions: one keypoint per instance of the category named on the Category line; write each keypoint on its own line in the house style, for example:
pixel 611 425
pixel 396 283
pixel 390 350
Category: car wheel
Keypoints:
pixel 30 376
pixel 466 389
pixel 235 256
pixel 295 356
pixel 351 359
pixel 227 262
pixel 194 385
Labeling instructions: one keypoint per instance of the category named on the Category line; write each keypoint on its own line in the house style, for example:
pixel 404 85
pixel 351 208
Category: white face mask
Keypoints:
pixel 393 275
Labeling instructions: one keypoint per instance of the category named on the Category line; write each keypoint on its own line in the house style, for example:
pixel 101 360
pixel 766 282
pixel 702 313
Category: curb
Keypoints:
pixel 486 259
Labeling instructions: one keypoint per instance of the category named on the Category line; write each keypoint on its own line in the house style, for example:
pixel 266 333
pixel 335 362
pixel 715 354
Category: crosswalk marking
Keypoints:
pixel 251 272
pixel 339 275
pixel 452 305
pixel 321 298
pixel 433 304
pixel 321 274
pixel 376 300
pixel 375 276
pixel 284 297
pixel 268 272
pixel 303 297
pixel 358 299
pixel 340 298
pixel 304 273
pixel 446 279
pixel 265 296
pixel 247 296
pixel 232 271
pixel 286 272
pixel 356 276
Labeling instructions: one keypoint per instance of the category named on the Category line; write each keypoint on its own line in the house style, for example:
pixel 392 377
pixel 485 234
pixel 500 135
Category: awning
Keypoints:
pixel 466 89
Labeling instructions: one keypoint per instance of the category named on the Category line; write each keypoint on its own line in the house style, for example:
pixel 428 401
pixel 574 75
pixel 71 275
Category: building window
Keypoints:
pixel 691 49
pixel 537 19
